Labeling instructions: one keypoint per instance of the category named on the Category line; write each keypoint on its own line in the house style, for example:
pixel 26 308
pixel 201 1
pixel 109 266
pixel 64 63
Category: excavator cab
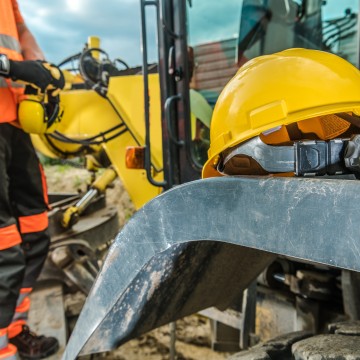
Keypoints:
pixel 270 26
pixel 201 244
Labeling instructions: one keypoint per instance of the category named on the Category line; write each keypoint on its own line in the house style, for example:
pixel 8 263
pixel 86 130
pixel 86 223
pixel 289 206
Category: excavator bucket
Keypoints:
pixel 202 243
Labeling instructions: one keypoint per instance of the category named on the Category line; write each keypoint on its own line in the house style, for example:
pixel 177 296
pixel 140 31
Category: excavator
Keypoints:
pixel 192 246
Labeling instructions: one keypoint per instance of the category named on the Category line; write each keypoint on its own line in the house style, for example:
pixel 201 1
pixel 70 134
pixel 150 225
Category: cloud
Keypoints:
pixel 62 27
pixel 75 6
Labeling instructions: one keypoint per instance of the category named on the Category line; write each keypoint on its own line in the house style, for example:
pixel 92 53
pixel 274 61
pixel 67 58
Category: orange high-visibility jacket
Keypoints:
pixel 9 44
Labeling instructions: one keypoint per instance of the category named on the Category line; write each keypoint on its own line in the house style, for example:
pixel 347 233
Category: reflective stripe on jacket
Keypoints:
pixel 9 237
pixel 9 45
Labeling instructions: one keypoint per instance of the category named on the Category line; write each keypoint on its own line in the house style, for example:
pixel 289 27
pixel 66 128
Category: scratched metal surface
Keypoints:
pixel 161 255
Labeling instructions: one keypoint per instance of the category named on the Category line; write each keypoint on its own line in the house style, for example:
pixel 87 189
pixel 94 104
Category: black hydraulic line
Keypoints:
pixel 340 21
pixel 69 59
pixel 105 96
pixel 122 62
pixel 340 30
pixel 101 134
pixel 121 118
pixel 116 135
pixel 129 130
pixel 335 29
pixel 62 152
pixel 91 140
pixel 340 34
pixel 341 38
pixel 335 23
pixel 61 137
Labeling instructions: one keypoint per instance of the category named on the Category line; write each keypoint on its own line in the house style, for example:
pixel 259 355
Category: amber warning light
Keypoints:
pixel 135 157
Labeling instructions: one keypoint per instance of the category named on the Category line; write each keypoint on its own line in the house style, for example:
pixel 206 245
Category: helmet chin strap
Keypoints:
pixel 303 158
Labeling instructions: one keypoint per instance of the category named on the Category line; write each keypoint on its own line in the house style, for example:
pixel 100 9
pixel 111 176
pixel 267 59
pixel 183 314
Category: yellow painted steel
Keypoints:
pixel 70 217
pixel 280 89
pixel 71 214
pixel 126 93
pixel 94 43
pixel 41 147
pixel 87 114
pixel 103 181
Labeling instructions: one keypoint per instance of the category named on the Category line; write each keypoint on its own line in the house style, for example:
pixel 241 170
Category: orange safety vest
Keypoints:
pixel 9 45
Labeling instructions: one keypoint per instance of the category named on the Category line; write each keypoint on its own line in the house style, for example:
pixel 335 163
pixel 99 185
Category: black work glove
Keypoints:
pixel 43 75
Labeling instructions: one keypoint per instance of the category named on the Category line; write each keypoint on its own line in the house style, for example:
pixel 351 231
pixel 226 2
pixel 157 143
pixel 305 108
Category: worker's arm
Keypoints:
pixel 36 72
pixel 29 47
pixel 33 69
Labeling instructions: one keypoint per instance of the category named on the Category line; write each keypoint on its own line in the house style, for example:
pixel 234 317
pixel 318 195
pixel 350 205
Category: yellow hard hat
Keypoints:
pixel 271 92
pixel 37 116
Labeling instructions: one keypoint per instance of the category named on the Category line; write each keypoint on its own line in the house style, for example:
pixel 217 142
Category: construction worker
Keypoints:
pixel 24 238
pixel 292 113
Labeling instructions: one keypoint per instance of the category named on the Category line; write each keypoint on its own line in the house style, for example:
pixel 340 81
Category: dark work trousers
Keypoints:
pixel 24 238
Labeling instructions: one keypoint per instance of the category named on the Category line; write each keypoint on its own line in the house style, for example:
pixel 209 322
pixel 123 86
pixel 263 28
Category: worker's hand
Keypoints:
pixel 43 75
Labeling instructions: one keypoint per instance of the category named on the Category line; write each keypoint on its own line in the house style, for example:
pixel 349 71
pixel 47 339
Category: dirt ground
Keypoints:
pixel 193 336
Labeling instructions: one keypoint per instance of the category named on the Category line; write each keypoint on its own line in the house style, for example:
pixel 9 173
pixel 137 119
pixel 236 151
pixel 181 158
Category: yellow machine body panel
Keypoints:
pixel 87 114
pixel 42 147
pixel 126 93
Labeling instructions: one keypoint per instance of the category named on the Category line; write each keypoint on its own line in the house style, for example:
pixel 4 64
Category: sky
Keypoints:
pixel 62 27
